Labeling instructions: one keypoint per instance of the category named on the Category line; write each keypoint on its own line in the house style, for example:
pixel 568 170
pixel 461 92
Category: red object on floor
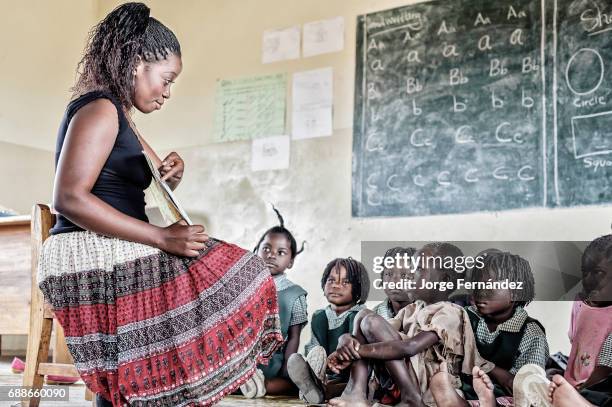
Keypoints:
pixel 18 365
pixel 392 396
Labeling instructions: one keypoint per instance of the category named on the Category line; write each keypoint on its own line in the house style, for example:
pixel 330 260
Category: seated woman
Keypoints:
pixel 152 315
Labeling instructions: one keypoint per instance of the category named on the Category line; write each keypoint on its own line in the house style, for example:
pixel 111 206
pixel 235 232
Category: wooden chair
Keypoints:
pixel 41 321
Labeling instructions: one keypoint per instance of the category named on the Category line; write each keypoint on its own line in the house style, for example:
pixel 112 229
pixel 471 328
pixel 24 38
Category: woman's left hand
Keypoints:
pixel 172 169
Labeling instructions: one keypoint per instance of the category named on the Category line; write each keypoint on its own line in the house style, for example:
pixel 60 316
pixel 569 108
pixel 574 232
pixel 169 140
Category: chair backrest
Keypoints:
pixel 41 223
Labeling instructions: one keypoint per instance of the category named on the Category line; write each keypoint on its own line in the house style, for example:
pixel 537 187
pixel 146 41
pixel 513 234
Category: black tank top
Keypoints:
pixel 125 174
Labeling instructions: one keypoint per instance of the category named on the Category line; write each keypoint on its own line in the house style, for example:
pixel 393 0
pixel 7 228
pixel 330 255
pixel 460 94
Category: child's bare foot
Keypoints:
pixel 345 401
pixel 483 386
pixel 442 389
pixel 563 394
pixel 351 397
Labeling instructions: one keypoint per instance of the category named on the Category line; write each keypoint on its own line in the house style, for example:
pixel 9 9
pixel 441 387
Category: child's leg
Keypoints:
pixel 277 386
pixel 564 394
pixel 334 388
pixel 311 387
pixel 376 329
pixel 355 392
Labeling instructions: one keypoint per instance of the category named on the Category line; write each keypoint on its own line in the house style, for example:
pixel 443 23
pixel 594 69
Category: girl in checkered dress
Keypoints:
pixel 346 285
pixel 278 248
pixel 505 334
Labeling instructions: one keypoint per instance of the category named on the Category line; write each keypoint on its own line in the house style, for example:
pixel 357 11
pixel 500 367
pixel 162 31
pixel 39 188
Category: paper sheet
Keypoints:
pixel 251 107
pixel 312 104
pixel 270 153
pixel 279 45
pixel 169 207
pixel 325 36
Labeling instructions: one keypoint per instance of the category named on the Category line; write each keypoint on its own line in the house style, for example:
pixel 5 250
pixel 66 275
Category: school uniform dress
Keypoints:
pixel 293 310
pixel 590 334
pixel 384 309
pixel 327 328
pixel 516 342
pixel 605 353
pixel 147 327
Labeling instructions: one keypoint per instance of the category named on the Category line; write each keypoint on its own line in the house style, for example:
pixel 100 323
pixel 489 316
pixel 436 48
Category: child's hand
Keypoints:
pixel 348 348
pixel 335 364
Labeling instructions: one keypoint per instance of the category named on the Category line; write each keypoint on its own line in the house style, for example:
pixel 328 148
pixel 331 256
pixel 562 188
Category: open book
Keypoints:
pixel 167 203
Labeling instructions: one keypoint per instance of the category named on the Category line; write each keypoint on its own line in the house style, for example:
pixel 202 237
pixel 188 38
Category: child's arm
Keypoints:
pixel 349 349
pixel 533 349
pixel 399 349
pixel 603 367
pixel 599 374
pixel 293 343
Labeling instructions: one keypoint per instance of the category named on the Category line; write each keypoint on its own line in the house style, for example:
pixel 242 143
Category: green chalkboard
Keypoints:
pixel 581 60
pixel 455 109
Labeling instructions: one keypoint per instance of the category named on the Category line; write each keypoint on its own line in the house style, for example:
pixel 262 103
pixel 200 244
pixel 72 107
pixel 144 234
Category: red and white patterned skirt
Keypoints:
pixel 147 328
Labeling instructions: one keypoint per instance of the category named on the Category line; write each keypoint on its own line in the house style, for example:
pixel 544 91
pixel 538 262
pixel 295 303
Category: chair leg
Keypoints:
pixel 94 402
pixel 39 338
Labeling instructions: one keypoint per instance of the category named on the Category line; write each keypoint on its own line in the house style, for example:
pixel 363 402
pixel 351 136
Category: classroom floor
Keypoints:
pixel 77 393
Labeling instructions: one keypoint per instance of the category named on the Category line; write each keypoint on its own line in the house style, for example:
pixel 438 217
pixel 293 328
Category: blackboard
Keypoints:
pixel 455 110
pixel 582 104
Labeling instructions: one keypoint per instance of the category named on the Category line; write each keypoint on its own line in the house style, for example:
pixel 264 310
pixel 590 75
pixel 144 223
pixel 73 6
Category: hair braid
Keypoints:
pixel 115 47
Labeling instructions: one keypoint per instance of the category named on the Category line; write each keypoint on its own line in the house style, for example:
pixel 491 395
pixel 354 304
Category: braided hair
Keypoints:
pixel 280 229
pixel 116 45
pixel 505 265
pixel 394 251
pixel 356 274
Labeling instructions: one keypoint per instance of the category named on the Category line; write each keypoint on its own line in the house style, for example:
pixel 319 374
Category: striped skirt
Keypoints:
pixel 147 328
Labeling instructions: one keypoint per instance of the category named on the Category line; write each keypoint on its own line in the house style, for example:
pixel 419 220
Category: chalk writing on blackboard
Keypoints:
pixel 475 105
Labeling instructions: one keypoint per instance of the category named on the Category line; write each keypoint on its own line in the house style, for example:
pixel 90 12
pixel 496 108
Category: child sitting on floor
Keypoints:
pixel 407 351
pixel 278 248
pixel 396 299
pixel 589 368
pixel 505 334
pixel 345 284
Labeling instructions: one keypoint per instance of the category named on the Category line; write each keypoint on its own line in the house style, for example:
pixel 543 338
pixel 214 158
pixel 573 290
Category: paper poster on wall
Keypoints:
pixel 325 36
pixel 250 107
pixel 279 45
pixel 270 153
pixel 312 104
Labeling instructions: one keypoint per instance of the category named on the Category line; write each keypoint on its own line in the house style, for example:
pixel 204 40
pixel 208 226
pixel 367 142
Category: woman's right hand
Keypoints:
pixel 181 239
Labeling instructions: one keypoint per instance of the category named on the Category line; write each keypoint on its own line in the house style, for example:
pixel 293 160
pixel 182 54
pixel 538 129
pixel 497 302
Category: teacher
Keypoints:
pixel 152 315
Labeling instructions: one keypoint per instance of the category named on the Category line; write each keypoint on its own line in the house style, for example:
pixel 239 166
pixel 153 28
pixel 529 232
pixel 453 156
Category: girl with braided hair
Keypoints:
pixel 505 333
pixel 346 285
pixel 161 316
pixel 278 248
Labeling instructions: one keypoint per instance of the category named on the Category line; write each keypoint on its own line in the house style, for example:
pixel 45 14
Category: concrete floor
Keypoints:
pixel 77 393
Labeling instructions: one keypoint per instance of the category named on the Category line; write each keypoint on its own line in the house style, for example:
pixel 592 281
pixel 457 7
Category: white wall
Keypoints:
pixel 222 39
